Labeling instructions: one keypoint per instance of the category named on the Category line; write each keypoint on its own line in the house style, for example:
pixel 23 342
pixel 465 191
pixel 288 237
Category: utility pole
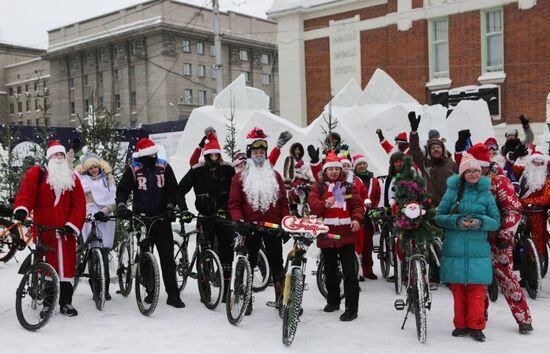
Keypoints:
pixel 217 46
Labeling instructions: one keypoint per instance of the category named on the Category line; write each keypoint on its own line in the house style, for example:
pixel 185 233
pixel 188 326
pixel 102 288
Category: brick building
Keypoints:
pixel 425 45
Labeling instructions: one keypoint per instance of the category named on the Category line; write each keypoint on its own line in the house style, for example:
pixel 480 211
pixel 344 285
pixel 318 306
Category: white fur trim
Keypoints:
pixel 54 150
pixel 336 221
pixel 361 159
pixel 332 164
pixel 19 208
pixel 151 150
pixel 76 230
pixel 211 151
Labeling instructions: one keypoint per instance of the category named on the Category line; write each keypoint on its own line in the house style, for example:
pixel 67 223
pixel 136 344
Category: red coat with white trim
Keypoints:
pixel 340 216
pixel 70 210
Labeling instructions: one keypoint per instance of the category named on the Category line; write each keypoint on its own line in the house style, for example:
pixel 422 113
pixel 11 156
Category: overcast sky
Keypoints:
pixel 26 22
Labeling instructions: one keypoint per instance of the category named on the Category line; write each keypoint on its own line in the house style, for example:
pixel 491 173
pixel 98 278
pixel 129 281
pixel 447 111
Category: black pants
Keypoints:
pixel 347 257
pixel 221 240
pixel 274 250
pixel 65 293
pixel 161 233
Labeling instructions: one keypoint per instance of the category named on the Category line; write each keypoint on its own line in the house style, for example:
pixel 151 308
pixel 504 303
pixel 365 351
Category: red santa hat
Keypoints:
pixel 344 160
pixel 401 138
pixel 331 160
pixel 537 155
pixel 53 148
pixel 357 159
pixel 145 147
pixel 480 152
pixel 211 145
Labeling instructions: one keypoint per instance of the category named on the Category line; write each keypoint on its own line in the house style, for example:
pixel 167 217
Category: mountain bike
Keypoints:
pixel 10 234
pixel 418 293
pixel 88 253
pixel 526 257
pixel 321 277
pixel 262 272
pixel 387 247
pixel 38 292
pixel 209 273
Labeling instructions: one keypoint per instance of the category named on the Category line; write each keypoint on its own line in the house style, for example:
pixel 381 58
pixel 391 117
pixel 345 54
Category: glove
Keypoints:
pixel 75 144
pixel 414 122
pixel 373 214
pixel 100 216
pixel 20 215
pixel 524 121
pixel 187 216
pixel 502 243
pixel 475 224
pixel 20 243
pixel 203 141
pixel 344 147
pixel 284 137
pixel 221 214
pixel 462 141
pixel 467 224
pixel 170 214
pixel 124 212
pixel 313 154
pixel 380 135
pixel 69 231
pixel 519 151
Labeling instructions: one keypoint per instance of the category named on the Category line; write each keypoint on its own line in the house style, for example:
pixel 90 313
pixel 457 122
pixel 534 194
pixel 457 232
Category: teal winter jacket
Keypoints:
pixel 466 254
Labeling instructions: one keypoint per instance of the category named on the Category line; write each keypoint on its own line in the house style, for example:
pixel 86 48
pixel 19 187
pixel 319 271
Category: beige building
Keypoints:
pixel 149 63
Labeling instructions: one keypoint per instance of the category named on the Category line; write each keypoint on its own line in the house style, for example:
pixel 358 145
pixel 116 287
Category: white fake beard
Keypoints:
pixel 499 159
pixel 535 177
pixel 60 176
pixel 260 186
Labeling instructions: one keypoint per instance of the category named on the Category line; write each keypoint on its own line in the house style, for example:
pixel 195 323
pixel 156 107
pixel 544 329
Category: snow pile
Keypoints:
pixel 382 104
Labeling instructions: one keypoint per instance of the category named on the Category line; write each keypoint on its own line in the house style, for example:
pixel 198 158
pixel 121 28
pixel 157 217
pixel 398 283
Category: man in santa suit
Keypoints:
pixel 56 199
pixel 535 196
pixel 502 241
pixel 400 140
pixel 258 194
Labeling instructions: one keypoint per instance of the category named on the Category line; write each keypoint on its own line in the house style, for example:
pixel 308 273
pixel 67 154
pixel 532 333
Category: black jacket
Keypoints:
pixel 211 186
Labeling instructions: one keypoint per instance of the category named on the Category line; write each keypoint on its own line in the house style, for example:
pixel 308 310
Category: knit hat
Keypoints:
pixel 331 160
pixel 211 145
pixel 435 141
pixel 511 132
pixel 256 139
pixel 145 147
pixel 433 134
pixel 491 144
pixel 468 163
pixel 53 148
pixel 358 159
pixel 401 138
pixel 480 152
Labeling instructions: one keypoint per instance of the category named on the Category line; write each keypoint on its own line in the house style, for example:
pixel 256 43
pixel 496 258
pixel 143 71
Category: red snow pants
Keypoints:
pixel 364 246
pixel 469 305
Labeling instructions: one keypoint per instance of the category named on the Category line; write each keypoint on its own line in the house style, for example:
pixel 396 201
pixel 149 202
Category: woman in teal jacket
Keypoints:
pixel 467 212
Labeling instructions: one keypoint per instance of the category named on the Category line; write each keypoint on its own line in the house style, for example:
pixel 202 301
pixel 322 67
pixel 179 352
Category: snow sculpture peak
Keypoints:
pixel 382 89
pixel 347 96
pixel 240 96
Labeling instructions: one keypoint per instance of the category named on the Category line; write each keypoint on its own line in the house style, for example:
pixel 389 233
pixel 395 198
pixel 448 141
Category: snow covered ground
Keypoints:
pixel 120 328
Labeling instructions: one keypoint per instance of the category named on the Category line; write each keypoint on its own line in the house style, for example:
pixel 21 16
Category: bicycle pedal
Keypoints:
pixel 376 249
pixel 399 304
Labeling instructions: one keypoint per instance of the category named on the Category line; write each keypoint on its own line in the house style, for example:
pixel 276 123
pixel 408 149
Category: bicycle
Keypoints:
pixel 526 257
pixel 140 265
pixel 10 232
pixel 387 247
pixel 40 282
pixel 209 272
pixel 418 293
pixel 89 254
pixel 262 271
pixel 321 278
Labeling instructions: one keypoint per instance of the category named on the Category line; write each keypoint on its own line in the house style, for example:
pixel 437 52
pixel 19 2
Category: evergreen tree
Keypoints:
pixel 230 146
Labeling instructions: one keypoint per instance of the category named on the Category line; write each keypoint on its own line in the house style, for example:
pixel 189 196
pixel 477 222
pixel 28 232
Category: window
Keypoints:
pixel 213 72
pixel 37 120
pixel 100 78
pixel 45 83
pixel 86 106
pixel 47 121
pixel 187 69
pixel 131 72
pixel 27 88
pixel 85 80
pixel 20 122
pixel 201 71
pixel 12 109
pixel 19 107
pixel 439 48
pixel 202 98
pixel 19 90
pixel 117 102
pixel 71 84
pixel 29 122
pixel 266 79
pixel 45 106
pixel 264 59
pixel 492 40
pixel 115 52
pixel 243 55
pixel 36 86
pixel 115 74
pixel 73 111
pixel 36 105
pixel 200 48
pixel 212 50
pixel 133 100
pixel 100 101
pixel 186 46
pixel 188 96
pixel 246 76
pixel 28 106
pixel 10 91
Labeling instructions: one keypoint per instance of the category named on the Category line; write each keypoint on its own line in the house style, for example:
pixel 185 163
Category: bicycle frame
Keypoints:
pixel 295 259
pixel 240 253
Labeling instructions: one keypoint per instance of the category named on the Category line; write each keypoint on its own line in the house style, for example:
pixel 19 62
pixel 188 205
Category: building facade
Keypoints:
pixel 154 62
pixel 426 45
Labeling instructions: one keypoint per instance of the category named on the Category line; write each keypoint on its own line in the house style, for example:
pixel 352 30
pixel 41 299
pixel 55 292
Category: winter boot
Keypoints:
pixel 525 328
pixel 175 301
pixel 348 316
pixel 226 279
pixel 477 335
pixel 69 310
pixel 460 332
pixel 331 308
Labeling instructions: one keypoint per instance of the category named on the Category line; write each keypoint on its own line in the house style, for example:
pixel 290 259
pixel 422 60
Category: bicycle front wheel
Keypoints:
pixel 181 259
pixel 80 262
pixel 147 283
pixel 37 296
pixel 262 272
pixel 210 279
pixel 384 256
pixel 240 296
pixel 124 270
pixel 397 272
pixel 97 277
pixel 530 268
pixel 294 287
pixel 419 295
pixel 8 247
pixel 544 262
